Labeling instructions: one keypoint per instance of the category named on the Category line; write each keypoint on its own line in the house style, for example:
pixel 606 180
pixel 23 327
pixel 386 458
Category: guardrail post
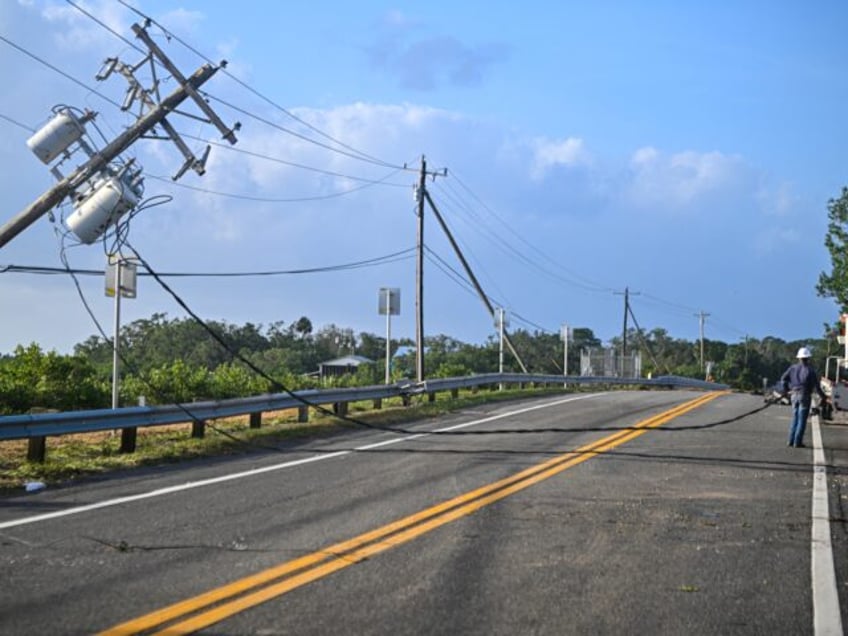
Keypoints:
pixel 198 429
pixel 454 393
pixel 128 437
pixel 340 408
pixel 37 449
pixel 302 414
pixel 377 404
pixel 431 397
pixel 406 399
pixel 256 420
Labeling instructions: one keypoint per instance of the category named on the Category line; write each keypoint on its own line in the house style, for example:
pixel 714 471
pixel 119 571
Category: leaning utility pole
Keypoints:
pixel 471 276
pixel 99 162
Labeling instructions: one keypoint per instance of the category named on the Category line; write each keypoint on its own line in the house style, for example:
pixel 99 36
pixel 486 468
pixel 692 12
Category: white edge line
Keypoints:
pixel 266 469
pixel 827 618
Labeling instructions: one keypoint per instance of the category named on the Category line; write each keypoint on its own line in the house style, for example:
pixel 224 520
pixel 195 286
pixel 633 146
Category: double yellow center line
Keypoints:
pixel 218 604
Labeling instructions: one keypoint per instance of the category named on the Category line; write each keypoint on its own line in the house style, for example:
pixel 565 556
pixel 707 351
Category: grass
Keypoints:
pixel 71 457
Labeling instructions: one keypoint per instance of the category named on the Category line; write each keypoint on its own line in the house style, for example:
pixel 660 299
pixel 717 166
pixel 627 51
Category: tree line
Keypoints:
pixel 167 360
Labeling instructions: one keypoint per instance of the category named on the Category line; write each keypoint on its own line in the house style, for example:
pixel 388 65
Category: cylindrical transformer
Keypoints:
pixel 109 201
pixel 56 136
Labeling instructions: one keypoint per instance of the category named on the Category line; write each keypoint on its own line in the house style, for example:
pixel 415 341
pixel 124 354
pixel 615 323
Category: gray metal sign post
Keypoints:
pixel 120 283
pixel 388 304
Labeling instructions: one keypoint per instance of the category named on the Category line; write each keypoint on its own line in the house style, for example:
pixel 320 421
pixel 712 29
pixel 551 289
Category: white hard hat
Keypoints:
pixel 803 352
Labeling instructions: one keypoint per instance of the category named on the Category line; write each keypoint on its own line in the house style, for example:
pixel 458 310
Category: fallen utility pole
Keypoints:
pixel 98 162
pixel 472 277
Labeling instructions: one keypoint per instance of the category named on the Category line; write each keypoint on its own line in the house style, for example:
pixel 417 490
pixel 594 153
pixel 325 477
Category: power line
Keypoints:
pixel 449 271
pixel 357 154
pixel 106 26
pixel 17 123
pixel 59 71
pixel 482 226
pixel 371 262
pixel 367 182
pixel 586 283
pixel 467 249
pixel 289 131
pixel 354 154
pixel 285 162
pixel 247 197
pixel 526 321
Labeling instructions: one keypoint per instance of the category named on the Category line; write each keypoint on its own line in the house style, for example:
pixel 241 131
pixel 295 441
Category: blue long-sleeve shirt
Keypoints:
pixel 801 379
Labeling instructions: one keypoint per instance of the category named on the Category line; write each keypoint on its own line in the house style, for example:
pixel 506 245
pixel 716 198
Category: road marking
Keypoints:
pixel 258 588
pixel 827 619
pixel 267 469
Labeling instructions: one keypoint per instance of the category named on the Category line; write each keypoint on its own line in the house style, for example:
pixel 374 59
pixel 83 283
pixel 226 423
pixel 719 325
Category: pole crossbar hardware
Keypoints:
pixel 473 278
pixel 98 164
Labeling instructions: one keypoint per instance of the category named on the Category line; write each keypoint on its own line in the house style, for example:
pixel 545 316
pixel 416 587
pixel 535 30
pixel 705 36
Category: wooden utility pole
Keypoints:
pixel 701 319
pixel 624 329
pixel 419 276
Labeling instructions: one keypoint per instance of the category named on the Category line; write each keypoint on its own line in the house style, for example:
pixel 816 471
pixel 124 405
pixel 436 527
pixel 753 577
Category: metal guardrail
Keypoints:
pixel 43 425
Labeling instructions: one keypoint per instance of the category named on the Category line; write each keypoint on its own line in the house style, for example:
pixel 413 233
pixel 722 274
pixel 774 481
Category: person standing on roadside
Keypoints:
pixel 800 381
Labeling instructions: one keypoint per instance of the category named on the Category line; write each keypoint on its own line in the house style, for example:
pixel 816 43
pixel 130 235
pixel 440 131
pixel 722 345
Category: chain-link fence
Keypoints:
pixel 609 363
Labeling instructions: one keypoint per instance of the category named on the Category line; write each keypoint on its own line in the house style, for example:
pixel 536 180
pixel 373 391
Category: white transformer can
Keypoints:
pixel 110 199
pixel 56 136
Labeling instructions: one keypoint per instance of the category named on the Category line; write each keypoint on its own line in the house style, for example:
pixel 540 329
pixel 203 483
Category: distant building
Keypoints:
pixel 402 351
pixel 341 366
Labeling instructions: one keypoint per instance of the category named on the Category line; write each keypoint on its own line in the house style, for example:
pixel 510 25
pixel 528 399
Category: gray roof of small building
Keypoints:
pixel 346 361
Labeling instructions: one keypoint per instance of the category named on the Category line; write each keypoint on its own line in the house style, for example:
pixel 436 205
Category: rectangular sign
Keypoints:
pixel 128 277
pixel 388 298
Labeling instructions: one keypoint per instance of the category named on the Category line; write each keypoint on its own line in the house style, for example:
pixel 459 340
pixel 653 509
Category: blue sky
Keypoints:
pixel 686 151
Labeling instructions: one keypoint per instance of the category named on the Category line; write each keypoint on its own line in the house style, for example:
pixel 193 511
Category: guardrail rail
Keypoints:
pixel 37 427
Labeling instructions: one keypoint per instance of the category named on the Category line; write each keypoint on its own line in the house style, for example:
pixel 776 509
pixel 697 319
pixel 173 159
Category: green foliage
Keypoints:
pixel 169 361
pixel 33 379
pixel 168 383
pixel 232 380
pixel 451 370
pixel 835 284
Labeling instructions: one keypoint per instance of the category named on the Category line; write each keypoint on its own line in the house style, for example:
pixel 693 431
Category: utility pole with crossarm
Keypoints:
pixel 100 191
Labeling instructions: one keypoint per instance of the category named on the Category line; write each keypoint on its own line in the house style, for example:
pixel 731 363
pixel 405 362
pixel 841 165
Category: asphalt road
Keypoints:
pixel 662 512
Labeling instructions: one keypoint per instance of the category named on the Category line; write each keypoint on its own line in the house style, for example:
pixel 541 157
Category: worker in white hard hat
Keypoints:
pixel 800 381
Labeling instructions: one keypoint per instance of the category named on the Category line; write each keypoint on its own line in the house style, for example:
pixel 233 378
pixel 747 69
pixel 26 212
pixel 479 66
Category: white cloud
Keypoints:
pixel 548 154
pixel 80 32
pixel 682 180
